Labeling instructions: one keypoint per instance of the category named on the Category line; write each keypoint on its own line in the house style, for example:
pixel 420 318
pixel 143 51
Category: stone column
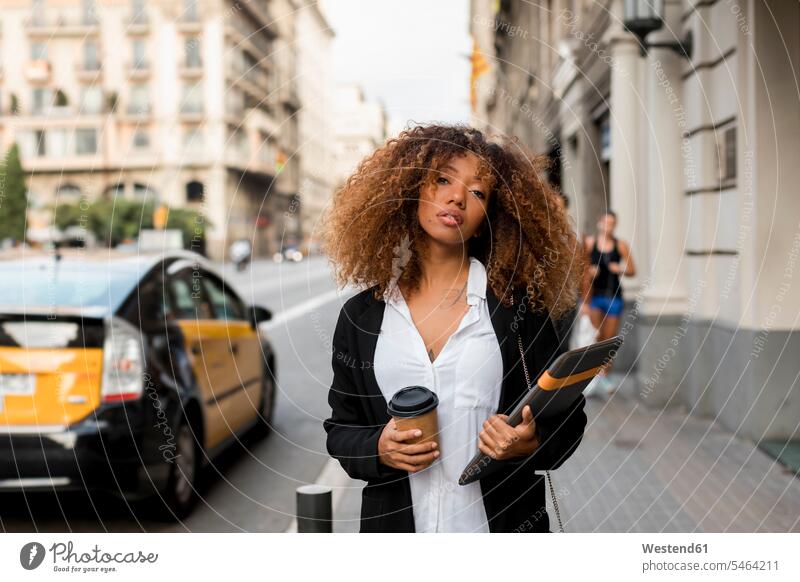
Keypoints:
pixel 625 168
pixel 663 294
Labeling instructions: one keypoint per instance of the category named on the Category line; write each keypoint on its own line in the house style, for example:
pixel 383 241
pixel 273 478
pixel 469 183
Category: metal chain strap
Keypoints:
pixel 528 384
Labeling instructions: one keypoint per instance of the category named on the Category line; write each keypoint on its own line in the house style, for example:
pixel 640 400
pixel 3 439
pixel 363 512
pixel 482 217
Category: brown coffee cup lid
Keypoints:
pixel 412 401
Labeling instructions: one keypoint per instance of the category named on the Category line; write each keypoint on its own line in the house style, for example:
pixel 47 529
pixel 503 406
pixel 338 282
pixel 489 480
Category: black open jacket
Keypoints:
pixel 513 496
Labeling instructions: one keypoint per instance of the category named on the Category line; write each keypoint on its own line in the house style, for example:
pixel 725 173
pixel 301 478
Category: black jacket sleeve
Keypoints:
pixel 352 440
pixel 560 435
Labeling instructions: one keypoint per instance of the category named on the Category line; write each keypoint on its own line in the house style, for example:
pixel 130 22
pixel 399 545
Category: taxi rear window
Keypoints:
pixel 101 287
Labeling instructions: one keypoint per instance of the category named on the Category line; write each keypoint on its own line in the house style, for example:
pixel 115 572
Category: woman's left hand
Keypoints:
pixel 501 441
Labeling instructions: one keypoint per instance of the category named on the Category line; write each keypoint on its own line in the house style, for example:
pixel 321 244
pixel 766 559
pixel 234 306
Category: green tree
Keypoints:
pixel 114 219
pixel 13 197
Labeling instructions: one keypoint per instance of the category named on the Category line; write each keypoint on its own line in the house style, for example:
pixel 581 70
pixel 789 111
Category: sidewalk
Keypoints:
pixel 641 470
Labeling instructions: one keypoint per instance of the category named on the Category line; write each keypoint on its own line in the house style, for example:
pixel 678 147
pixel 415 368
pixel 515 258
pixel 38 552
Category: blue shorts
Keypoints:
pixel 609 305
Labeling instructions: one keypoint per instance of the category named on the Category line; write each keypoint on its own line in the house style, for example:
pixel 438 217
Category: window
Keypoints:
pixel 194 191
pixel 192 98
pixel 56 143
pixel 193 140
pixel 192 50
pixel 89 12
pixel 117 190
pixel 238 141
pixel 187 297
pixel 226 305
pixel 37 12
pixel 91 100
pixel 605 138
pixel 139 101
pixel 190 13
pixel 141 139
pixel 32 143
pixel 68 191
pixel 76 283
pixel 143 191
pixel 235 102
pixel 266 153
pixel 138 15
pixel 728 155
pixel 139 50
pixel 38 51
pixel 86 141
pixel 42 100
pixel 91 56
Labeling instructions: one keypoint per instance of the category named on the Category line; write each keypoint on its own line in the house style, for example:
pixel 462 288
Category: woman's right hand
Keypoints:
pixel 393 451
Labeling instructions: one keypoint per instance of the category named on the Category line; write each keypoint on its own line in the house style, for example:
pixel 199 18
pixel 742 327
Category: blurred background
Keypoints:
pixel 142 125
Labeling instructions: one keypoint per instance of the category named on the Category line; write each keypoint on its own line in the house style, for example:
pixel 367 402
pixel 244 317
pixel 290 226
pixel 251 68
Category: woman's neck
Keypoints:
pixel 443 267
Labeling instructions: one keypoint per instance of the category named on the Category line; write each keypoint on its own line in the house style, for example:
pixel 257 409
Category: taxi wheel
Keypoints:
pixel 180 494
pixel 266 407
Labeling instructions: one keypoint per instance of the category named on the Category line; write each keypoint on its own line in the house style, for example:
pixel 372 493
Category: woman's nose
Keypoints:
pixel 457 194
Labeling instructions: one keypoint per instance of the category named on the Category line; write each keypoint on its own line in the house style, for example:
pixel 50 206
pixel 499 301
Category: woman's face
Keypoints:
pixel 454 208
pixel 606 224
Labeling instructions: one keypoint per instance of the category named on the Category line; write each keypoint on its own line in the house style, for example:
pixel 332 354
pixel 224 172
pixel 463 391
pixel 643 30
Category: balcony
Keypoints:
pixel 189 22
pixel 138 110
pixel 138 23
pixel 89 71
pixel 193 70
pixel 138 70
pixel 62 25
pixel 38 71
pixel 288 95
pixel 260 11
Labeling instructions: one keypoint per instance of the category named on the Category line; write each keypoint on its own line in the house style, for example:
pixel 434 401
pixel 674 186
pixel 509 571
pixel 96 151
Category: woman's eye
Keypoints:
pixel 479 193
pixel 442 181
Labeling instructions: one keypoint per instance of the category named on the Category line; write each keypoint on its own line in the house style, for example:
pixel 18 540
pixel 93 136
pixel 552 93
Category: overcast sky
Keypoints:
pixel 410 54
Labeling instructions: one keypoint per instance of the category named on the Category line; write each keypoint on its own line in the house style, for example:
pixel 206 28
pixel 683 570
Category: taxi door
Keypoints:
pixel 244 346
pixel 207 347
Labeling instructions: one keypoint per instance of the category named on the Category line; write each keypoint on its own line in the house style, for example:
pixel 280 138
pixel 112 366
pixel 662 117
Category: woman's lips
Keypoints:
pixel 448 219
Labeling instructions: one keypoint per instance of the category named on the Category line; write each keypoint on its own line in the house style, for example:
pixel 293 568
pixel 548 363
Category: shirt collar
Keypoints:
pixel 476 285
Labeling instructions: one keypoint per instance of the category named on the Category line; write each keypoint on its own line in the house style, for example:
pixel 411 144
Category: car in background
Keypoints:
pixel 125 373
pixel 289 253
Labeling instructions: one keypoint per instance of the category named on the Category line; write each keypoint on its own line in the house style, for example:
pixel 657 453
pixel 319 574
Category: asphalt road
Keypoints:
pixel 250 487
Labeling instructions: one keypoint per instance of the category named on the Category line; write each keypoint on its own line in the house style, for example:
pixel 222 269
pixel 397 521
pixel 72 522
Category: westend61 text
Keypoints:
pixel 670 549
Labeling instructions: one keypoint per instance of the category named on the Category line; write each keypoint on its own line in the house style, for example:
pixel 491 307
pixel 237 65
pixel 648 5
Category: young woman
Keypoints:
pixel 609 260
pixel 465 255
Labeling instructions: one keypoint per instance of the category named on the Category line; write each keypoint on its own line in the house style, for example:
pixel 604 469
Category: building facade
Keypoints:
pixel 314 37
pixel 359 125
pixel 190 103
pixel 698 158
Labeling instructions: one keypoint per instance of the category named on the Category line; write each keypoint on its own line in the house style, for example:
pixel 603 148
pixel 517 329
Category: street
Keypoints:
pixel 637 470
pixel 245 490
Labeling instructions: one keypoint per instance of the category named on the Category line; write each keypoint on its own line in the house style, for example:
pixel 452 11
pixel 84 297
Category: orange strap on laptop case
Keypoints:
pixel 548 382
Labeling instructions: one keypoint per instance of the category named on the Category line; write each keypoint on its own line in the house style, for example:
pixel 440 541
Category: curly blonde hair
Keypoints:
pixel 528 242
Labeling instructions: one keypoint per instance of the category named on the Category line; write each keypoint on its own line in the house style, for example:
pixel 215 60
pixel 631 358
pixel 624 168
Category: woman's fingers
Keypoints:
pixel 527 427
pixel 416 449
pixel 416 460
pixel 487 440
pixel 403 435
pixel 500 432
pixel 487 450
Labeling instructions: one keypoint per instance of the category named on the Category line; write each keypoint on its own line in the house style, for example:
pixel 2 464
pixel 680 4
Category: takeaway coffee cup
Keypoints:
pixel 415 407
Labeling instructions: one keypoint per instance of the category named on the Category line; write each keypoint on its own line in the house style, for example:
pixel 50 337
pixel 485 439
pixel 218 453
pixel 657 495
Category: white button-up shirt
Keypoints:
pixel 467 377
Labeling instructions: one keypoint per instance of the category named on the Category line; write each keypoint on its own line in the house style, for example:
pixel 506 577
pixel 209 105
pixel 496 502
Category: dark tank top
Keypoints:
pixel 605 282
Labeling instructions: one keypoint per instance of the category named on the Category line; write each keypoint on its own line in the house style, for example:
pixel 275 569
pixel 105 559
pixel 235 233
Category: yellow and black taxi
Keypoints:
pixel 126 373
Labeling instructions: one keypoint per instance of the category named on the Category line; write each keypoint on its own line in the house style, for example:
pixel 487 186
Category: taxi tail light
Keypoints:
pixel 123 362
